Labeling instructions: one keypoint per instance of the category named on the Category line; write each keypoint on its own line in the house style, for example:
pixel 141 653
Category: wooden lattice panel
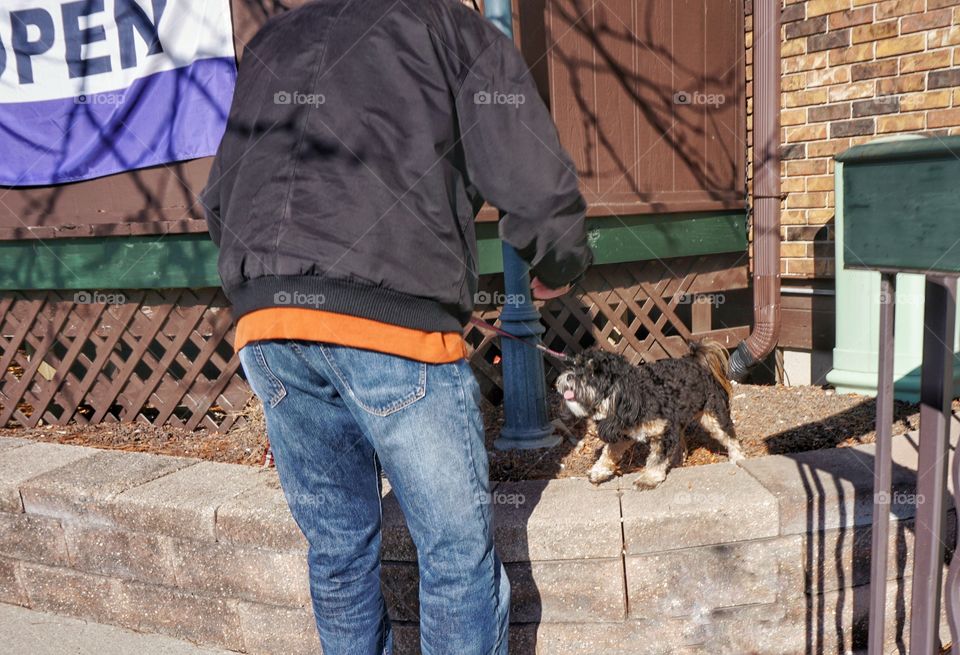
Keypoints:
pixel 641 309
pixel 162 357
pixel 166 356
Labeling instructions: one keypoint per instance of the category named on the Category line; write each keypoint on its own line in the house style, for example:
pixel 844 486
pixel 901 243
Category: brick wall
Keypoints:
pixel 853 71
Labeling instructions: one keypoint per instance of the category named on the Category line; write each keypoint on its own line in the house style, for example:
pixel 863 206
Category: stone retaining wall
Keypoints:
pixel 768 557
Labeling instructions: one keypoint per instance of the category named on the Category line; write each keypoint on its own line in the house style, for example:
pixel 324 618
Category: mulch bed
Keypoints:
pixel 769 420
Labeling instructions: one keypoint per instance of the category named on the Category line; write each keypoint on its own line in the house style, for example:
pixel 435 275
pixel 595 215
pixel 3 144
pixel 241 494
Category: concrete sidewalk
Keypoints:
pixel 27 632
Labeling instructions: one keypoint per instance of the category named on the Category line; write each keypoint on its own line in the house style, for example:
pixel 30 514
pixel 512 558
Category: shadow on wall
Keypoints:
pixel 838 489
pixel 822 605
pixel 821 305
pixel 622 90
pixel 838 559
pixel 400 582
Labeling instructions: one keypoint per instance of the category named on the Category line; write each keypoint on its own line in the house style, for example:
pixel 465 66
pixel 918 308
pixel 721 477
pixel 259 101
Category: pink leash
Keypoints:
pixel 483 325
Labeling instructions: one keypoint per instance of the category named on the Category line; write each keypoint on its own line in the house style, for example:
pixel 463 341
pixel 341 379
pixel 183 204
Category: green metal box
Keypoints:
pixel 901 205
pixel 858 291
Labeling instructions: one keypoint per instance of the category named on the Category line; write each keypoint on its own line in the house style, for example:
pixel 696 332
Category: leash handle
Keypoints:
pixel 483 325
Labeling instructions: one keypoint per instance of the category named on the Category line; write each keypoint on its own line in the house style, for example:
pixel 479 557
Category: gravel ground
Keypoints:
pixel 769 420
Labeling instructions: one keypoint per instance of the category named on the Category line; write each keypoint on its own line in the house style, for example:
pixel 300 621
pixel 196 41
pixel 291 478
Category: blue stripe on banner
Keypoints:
pixel 169 116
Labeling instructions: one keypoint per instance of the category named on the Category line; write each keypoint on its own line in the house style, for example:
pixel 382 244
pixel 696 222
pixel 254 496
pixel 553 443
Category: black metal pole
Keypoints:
pixel 936 395
pixel 882 465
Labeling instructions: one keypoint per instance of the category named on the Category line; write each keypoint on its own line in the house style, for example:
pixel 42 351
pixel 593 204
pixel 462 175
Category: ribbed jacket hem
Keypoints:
pixel 344 297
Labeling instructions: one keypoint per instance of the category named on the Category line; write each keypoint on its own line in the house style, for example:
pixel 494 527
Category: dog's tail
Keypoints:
pixel 713 357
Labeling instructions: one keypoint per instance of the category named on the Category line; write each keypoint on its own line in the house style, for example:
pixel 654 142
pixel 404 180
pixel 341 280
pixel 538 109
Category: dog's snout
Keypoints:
pixel 565 386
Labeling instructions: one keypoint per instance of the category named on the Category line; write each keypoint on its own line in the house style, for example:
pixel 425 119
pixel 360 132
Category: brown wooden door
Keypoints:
pixel 648 96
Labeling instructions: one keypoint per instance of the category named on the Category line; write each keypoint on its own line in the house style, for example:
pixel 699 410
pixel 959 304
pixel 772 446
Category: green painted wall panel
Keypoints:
pixel 190 260
pixel 144 262
pixel 639 238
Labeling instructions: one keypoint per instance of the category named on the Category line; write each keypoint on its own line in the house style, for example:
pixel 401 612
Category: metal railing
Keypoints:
pixel 936 394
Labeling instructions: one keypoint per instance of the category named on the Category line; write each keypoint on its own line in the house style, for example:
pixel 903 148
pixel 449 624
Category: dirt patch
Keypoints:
pixel 769 420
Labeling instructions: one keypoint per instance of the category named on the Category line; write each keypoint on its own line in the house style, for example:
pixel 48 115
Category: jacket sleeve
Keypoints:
pixel 515 161
pixel 210 201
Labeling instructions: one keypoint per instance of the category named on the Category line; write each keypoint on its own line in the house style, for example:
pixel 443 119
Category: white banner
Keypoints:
pixel 52 50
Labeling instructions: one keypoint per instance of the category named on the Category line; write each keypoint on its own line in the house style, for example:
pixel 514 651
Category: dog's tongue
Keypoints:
pixel 568 394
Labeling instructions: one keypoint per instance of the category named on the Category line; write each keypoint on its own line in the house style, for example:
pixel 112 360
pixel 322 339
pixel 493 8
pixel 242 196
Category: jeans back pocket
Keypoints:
pixel 378 383
pixel 261 379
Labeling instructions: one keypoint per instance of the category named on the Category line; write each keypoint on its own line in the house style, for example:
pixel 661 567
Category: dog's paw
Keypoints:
pixel 735 456
pixel 598 475
pixel 648 481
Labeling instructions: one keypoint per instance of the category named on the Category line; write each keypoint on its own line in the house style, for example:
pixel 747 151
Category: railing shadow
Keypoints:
pixel 837 529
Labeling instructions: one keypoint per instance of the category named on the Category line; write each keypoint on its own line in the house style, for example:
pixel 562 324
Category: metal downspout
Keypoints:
pixel 766 193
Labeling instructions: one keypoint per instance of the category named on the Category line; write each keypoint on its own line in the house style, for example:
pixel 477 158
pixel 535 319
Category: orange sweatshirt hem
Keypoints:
pixel 301 324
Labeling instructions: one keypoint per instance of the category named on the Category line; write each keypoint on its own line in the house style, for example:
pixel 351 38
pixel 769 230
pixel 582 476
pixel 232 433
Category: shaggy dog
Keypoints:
pixel 653 403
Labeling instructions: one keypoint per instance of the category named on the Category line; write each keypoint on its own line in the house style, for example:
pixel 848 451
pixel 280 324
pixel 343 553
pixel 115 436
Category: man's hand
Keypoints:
pixel 542 292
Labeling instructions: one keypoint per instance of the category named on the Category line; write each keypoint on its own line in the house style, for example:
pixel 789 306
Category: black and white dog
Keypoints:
pixel 654 403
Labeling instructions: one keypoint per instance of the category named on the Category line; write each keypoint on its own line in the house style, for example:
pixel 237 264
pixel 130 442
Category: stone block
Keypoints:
pixel 826 489
pixel 203 620
pixel 260 516
pixel 646 638
pixel 8 443
pixel 588 591
pixel 566 519
pixel 65 591
pixel 697 506
pixel 33 538
pixel 17 465
pixel 120 553
pixel 81 490
pixel 660 637
pixel 740 633
pixel 837 621
pixel 256 574
pixel 905 452
pixel 272 630
pixel 183 503
pixel 406 638
pixel 11 590
pixel 682 583
pixel 735 632
pixel 839 558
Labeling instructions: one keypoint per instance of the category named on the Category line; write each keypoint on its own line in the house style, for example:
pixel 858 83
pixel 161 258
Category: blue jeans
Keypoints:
pixel 334 416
